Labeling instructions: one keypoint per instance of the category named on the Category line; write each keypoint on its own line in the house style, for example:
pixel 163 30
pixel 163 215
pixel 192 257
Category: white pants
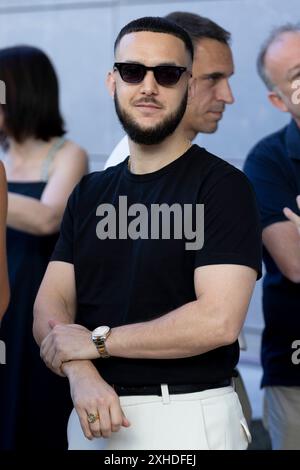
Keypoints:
pixel 212 419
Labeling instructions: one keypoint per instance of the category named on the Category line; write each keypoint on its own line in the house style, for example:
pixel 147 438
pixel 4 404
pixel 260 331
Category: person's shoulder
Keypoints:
pixel 204 158
pixel 101 178
pixel 71 151
pixel 213 166
pixel 222 184
pixel 269 146
pixel 69 159
pixel 218 176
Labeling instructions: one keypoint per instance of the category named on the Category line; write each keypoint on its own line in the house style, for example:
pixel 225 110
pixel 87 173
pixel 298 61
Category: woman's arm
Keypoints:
pixel 4 286
pixel 43 217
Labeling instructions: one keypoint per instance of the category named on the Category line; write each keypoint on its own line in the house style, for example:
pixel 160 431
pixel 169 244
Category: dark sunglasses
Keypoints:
pixel 165 75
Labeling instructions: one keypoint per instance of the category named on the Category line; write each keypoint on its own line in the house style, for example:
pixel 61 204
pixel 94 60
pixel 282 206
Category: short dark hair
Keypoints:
pixel 273 36
pixel 156 24
pixel 32 94
pixel 199 27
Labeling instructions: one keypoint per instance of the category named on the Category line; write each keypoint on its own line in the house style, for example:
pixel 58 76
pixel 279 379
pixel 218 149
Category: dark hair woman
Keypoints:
pixel 42 168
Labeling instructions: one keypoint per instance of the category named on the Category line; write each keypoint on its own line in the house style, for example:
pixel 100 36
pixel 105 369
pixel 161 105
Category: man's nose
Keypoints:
pixel 224 93
pixel 149 85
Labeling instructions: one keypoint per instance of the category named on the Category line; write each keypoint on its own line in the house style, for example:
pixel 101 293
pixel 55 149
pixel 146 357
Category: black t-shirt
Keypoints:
pixel 124 281
pixel 273 167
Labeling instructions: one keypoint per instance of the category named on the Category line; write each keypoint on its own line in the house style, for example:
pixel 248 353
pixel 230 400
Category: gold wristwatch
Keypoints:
pixel 99 336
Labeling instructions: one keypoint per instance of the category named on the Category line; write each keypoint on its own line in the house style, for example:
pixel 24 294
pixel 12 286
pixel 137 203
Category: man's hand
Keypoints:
pixel 65 343
pixel 92 395
pixel 292 216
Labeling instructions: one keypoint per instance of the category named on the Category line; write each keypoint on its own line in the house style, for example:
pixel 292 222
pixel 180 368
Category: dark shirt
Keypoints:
pixel 273 166
pixel 124 281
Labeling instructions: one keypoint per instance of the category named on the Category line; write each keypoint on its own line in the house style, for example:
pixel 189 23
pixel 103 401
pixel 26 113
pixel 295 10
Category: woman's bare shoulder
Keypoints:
pixel 71 148
pixel 70 155
pixel 70 151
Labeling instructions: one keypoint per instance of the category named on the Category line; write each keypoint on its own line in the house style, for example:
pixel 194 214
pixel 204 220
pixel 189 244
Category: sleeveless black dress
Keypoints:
pixel 34 403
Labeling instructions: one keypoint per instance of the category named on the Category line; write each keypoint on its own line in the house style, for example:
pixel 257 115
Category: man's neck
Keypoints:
pixel 150 158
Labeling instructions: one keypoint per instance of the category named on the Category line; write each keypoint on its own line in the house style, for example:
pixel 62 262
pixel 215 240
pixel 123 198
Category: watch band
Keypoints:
pixel 99 336
pixel 100 345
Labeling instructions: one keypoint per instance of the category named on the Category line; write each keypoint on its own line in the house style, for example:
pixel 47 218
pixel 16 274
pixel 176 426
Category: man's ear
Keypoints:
pixel 191 89
pixel 111 83
pixel 277 101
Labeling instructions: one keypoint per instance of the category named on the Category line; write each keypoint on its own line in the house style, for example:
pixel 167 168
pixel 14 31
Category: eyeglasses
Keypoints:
pixel 165 75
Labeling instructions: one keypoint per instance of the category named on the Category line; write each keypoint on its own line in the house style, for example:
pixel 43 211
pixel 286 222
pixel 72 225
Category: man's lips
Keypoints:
pixel 217 113
pixel 148 105
pixel 148 108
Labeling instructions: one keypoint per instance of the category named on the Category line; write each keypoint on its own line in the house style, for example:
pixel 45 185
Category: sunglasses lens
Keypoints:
pixel 132 73
pixel 167 75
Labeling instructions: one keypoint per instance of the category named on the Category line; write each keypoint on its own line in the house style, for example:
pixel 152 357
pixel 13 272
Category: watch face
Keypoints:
pixel 101 331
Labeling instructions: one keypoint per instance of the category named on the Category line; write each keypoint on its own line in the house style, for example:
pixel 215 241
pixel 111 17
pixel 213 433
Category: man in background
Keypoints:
pixel 273 166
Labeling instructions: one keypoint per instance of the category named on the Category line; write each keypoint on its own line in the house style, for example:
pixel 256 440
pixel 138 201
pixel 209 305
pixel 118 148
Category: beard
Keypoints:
pixel 153 135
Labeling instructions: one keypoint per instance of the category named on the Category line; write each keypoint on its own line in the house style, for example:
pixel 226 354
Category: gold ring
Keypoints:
pixel 91 417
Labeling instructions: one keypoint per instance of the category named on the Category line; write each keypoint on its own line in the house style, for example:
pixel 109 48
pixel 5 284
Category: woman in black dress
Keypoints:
pixel 42 168
pixel 4 288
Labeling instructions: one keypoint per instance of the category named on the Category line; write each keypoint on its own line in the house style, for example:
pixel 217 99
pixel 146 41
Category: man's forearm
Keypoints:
pixel 48 308
pixel 71 368
pixel 184 332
